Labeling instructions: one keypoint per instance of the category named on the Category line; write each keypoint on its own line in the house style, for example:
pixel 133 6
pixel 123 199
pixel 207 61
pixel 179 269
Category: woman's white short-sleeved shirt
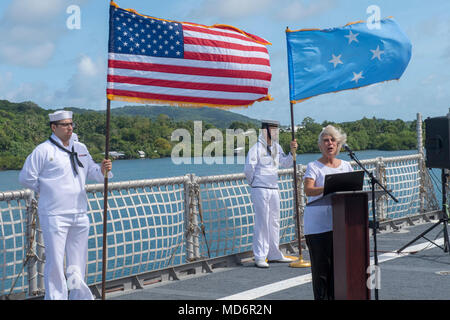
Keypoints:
pixel 319 219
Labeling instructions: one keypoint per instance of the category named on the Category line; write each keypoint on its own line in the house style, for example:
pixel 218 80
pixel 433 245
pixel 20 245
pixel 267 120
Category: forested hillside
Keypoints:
pixel 24 125
pixel 217 117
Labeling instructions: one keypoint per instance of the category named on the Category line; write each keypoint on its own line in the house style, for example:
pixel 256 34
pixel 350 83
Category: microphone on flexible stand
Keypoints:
pixel 373 181
pixel 347 148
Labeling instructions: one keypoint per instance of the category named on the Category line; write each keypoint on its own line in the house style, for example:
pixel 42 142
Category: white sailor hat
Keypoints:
pixel 269 123
pixel 60 115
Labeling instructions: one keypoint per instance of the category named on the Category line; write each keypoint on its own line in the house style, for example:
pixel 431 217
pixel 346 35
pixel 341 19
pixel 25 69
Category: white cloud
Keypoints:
pixel 25 91
pixel 296 10
pixel 229 9
pixel 429 79
pixel 87 67
pixel 446 51
pixel 27 33
pixel 25 56
pixel 5 79
pixel 33 12
pixel 287 10
pixel 30 31
pixel 372 99
pixel 87 87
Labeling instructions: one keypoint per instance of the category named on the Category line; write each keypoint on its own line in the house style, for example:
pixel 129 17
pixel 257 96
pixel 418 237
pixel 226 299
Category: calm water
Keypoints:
pixel 160 168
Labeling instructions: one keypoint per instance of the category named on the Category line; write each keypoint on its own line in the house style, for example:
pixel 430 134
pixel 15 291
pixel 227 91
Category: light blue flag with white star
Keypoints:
pixel 348 57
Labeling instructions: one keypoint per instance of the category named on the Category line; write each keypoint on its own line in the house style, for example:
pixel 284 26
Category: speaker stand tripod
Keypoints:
pixel 443 220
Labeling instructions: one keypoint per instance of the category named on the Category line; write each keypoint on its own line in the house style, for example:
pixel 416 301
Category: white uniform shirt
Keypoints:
pixel 319 219
pixel 48 171
pixel 261 168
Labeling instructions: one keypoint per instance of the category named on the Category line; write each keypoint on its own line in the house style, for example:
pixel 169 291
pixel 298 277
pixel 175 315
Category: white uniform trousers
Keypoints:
pixel 65 234
pixel 266 231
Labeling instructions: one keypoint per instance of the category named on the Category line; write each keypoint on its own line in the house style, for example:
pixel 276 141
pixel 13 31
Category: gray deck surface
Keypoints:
pixel 403 277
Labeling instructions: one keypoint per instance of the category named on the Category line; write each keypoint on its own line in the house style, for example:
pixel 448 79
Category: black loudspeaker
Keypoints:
pixel 437 142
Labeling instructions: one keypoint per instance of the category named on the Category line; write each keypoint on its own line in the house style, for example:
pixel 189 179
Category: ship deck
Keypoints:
pixel 420 272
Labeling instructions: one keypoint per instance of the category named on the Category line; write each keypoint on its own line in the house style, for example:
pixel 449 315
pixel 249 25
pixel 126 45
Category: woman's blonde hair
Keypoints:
pixel 339 136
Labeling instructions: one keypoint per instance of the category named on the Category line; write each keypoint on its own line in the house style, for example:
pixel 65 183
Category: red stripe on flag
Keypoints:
pixel 218 33
pixel 223 44
pixel 159 97
pixel 226 73
pixel 187 85
pixel 225 58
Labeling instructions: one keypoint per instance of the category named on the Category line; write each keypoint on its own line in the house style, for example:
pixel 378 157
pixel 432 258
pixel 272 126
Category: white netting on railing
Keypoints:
pixel 159 223
pixel 404 177
pixel 288 224
pixel 228 213
pixel 145 228
pixel 13 241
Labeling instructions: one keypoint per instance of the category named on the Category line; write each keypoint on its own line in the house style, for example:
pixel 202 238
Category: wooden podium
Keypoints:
pixel 350 242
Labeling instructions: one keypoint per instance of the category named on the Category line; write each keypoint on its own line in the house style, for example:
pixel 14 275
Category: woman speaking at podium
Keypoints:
pixel 318 220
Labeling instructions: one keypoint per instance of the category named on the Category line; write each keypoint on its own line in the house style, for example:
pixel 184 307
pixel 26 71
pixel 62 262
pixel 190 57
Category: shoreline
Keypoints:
pixel 192 157
pixel 138 169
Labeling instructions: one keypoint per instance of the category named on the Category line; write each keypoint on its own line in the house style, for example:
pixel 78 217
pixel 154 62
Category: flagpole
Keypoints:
pixel 300 263
pixel 105 186
pixel 105 200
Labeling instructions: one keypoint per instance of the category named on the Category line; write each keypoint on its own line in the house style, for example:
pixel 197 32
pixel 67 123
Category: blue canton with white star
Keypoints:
pixel 131 33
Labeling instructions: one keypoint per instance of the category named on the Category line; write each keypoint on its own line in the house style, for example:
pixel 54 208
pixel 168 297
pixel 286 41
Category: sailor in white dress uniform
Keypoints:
pixel 261 170
pixel 57 169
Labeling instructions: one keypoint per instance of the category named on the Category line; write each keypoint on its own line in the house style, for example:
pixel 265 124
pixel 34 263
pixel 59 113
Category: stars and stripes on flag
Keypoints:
pixel 152 60
pixel 349 57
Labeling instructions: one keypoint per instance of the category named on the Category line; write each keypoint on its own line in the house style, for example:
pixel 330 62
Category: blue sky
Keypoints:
pixel 44 61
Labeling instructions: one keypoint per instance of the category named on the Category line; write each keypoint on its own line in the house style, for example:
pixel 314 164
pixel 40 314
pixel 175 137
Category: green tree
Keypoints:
pixel 25 125
pixel 163 146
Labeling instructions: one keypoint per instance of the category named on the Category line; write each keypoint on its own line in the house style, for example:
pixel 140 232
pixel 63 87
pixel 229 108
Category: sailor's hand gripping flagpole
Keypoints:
pixel 106 167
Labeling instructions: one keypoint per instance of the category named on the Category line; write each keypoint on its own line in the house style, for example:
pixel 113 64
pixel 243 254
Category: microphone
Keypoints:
pixel 347 148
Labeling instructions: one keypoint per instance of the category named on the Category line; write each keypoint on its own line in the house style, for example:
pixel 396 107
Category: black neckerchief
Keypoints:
pixel 268 150
pixel 270 137
pixel 73 156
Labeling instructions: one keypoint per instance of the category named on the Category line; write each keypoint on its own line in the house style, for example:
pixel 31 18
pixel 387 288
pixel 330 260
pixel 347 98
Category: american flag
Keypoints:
pixel 152 60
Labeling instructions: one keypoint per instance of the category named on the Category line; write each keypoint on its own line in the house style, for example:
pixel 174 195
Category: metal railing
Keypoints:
pixel 164 224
